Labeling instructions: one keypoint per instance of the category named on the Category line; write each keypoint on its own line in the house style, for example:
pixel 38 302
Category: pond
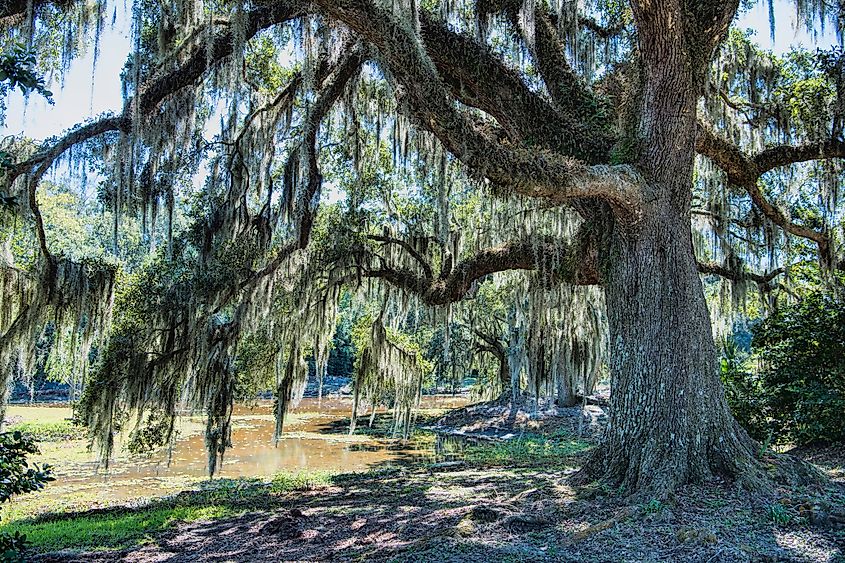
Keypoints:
pixel 315 439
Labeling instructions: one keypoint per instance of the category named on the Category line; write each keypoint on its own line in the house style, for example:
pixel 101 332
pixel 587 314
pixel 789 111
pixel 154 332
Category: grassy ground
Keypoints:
pixel 123 526
pixel 502 500
pixel 53 431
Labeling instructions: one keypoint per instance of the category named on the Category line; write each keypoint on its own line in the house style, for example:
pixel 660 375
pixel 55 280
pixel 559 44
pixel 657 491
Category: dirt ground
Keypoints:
pixel 460 512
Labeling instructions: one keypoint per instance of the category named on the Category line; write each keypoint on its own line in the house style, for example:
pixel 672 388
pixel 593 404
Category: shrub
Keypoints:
pixel 793 388
pixel 743 389
pixel 17 477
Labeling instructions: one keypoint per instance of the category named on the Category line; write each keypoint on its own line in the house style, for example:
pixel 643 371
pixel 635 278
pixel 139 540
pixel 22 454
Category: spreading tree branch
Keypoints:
pixel 574 262
pixel 602 31
pixel 745 170
pixel 734 274
pixel 408 247
pixel 162 85
pixel 479 79
pixel 305 209
pixel 531 172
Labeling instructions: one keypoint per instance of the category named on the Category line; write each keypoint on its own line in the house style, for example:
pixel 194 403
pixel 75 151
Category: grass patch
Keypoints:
pixel 530 450
pixel 111 530
pixel 121 526
pixel 301 481
pixel 51 431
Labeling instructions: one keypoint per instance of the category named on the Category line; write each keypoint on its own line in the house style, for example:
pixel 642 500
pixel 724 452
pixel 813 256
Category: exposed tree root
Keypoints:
pixel 739 460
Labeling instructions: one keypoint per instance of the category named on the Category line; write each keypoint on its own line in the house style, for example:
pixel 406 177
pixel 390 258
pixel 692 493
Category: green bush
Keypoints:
pixel 17 477
pixel 792 390
pixel 744 391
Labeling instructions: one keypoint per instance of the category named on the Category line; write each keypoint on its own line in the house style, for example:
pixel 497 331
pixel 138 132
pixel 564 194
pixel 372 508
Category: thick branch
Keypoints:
pixel 605 32
pixel 492 344
pixel 785 155
pixel 764 280
pixel 160 86
pixel 420 259
pixel 745 171
pixel 567 88
pixel 307 199
pixel 44 159
pixel 532 173
pixel 571 262
pixel 478 78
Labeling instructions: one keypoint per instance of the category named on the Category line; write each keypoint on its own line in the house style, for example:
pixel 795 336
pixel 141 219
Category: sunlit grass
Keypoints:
pixel 121 526
pixel 50 431
pixel 555 451
pixel 110 530
pixel 301 481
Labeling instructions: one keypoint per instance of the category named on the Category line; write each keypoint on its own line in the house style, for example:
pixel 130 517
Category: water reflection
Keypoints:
pixel 315 439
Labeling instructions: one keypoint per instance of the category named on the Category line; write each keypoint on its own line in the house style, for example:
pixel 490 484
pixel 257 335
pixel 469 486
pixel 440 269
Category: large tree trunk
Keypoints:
pixel 566 395
pixel 669 420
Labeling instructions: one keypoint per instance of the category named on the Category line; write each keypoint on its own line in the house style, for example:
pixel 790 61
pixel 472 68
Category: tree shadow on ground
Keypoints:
pixel 518 514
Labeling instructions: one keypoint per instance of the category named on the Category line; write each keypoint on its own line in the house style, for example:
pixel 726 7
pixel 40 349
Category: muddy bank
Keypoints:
pixel 501 420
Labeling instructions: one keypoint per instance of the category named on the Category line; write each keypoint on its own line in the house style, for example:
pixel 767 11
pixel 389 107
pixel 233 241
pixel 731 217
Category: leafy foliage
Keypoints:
pixel 797 392
pixel 17 477
pixel 17 66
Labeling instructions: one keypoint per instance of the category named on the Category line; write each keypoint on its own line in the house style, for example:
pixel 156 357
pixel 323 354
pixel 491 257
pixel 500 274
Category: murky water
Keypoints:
pixel 315 438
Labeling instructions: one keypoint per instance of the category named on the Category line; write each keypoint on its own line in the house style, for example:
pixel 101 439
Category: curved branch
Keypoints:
pixel 573 262
pixel 285 95
pixel 42 160
pixel 541 36
pixel 160 86
pixel 744 170
pixel 533 172
pixel 785 155
pixel 306 202
pixel 479 79
pixel 409 249
pixel 566 87
pixel 491 343
pixel 335 85
pixel 602 31
pixel 733 274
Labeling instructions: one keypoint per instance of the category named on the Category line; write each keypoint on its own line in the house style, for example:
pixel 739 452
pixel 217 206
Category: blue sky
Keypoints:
pixel 76 101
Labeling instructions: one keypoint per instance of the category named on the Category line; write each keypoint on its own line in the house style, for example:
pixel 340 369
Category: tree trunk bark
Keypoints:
pixel 504 374
pixel 566 396
pixel 669 422
pixel 515 357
